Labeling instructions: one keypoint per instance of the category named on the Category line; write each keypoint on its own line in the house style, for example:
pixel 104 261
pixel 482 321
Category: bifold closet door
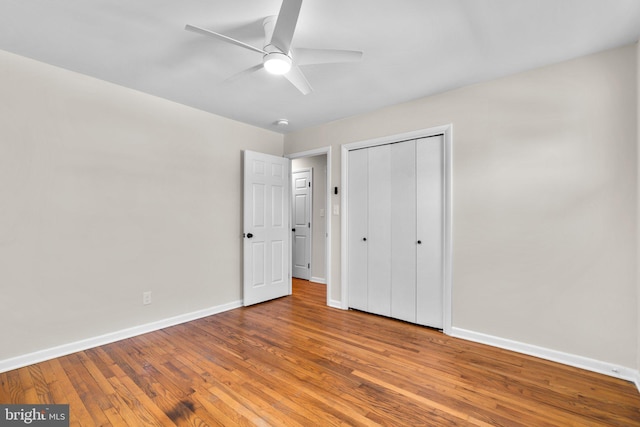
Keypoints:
pixel 395 230
pixel 379 238
pixel 357 229
pixel 430 231
pixel 403 231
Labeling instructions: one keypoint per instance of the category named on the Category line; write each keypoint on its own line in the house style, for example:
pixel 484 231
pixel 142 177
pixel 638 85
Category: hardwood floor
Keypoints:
pixel 296 362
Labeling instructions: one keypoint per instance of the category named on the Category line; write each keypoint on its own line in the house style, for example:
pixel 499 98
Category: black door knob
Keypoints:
pixel 293 229
pixel 364 239
pixel 419 242
pixel 249 235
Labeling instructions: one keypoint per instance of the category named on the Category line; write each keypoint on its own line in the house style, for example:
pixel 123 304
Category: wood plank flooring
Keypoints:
pixel 296 362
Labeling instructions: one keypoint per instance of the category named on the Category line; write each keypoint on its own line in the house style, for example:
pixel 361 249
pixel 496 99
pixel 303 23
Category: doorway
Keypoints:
pixel 318 164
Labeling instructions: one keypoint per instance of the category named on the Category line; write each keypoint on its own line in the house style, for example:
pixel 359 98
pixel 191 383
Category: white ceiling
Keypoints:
pixel 412 48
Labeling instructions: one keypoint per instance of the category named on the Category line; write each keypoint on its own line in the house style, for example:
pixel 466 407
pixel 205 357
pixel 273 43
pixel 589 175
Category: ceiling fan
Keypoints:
pixel 277 55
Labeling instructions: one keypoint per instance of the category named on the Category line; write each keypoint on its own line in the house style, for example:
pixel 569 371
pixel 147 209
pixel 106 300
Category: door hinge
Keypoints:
pixel 308 265
pixel 309 225
pixel 309 184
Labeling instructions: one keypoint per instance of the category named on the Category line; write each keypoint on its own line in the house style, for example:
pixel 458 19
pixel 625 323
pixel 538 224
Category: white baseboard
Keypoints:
pixel 593 365
pixel 335 304
pixel 65 349
pixel 320 280
pixel 637 380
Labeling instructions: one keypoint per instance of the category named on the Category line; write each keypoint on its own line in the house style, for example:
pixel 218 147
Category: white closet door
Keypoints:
pixel 379 240
pixel 430 203
pixel 403 231
pixel 357 220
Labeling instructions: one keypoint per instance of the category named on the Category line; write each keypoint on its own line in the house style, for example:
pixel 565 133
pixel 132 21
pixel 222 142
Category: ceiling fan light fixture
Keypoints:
pixel 277 63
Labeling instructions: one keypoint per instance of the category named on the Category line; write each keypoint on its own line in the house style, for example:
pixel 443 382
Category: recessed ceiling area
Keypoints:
pixel 412 48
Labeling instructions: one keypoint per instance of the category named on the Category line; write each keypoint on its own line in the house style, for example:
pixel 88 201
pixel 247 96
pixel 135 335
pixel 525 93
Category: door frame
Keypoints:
pixel 331 300
pixel 447 132
pixel 309 243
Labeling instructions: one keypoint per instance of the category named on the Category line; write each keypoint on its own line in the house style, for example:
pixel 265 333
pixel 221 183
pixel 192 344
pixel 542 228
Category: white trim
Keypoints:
pixel 417 134
pixel 448 229
pixel 327 256
pixel 335 304
pixel 320 280
pixel 447 132
pixel 344 246
pixel 576 361
pixel 111 337
pixel 309 153
pixel 328 207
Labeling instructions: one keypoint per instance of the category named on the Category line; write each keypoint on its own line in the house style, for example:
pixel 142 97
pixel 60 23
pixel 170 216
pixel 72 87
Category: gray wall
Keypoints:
pixel 106 193
pixel 544 201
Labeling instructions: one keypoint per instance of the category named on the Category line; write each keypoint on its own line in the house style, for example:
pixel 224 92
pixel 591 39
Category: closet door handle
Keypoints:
pixel 249 236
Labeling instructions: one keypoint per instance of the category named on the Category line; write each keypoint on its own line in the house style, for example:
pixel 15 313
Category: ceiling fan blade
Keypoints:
pixel 325 56
pixel 223 38
pixel 286 25
pixel 244 73
pixel 298 79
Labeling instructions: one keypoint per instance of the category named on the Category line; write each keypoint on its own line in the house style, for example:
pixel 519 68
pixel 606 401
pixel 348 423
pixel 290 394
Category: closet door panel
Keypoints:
pixel 403 231
pixel 379 241
pixel 430 203
pixel 357 221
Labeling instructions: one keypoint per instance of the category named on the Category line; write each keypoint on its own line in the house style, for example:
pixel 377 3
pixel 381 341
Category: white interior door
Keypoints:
pixel 302 197
pixel 266 227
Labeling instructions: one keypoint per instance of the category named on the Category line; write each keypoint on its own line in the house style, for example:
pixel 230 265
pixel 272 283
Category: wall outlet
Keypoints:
pixel 146 298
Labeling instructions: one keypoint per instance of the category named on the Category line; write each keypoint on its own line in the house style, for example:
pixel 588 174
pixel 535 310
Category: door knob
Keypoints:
pixel 419 242
pixel 249 235
pixel 364 239
pixel 293 229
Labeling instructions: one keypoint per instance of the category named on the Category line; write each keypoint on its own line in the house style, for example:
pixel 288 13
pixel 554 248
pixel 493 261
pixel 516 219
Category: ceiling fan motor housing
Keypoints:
pixel 277 63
